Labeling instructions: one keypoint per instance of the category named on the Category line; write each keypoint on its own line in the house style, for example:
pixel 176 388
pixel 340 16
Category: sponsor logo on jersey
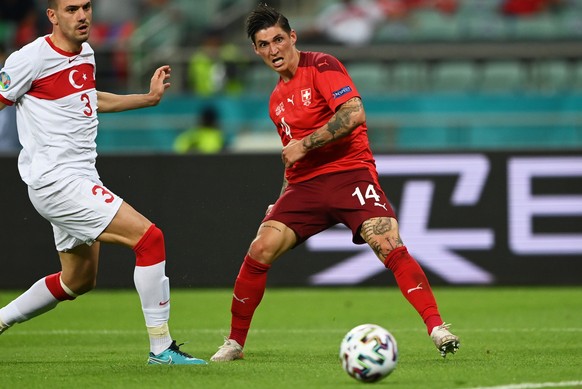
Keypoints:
pixel 4 81
pixel 342 91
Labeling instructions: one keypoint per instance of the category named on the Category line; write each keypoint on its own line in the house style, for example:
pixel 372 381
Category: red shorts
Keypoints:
pixel 315 205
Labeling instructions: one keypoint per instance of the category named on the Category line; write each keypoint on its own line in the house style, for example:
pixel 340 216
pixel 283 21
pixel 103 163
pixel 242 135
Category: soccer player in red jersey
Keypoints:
pixel 330 178
pixel 51 81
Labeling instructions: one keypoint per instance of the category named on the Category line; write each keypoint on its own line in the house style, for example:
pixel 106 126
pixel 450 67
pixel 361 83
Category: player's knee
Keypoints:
pixel 85 286
pixel 150 249
pixel 81 284
pixel 65 287
pixel 263 251
pixel 382 229
pixel 273 240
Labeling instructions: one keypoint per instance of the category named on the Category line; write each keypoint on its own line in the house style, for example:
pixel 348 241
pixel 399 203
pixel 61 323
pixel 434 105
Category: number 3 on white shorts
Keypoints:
pixel 370 194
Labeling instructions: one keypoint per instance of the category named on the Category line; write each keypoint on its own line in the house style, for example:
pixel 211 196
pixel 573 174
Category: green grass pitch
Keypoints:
pixel 511 338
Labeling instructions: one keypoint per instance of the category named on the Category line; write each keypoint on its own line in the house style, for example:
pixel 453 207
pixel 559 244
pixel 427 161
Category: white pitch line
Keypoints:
pixel 562 384
pixel 22 331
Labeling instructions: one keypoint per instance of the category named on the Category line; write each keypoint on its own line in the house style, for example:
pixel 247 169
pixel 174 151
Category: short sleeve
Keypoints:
pixel 333 81
pixel 15 77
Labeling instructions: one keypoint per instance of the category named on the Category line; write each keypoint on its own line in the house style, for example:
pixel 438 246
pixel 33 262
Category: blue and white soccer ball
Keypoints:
pixel 368 353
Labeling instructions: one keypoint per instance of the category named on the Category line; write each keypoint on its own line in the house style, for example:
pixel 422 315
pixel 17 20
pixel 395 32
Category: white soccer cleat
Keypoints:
pixel 3 327
pixel 444 341
pixel 229 351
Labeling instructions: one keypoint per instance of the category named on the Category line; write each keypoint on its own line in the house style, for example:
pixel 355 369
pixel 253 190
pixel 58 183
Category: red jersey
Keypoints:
pixel 307 102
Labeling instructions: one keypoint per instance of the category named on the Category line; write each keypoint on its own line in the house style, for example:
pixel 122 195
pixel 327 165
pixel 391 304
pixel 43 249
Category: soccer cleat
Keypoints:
pixel 3 327
pixel 444 341
pixel 173 356
pixel 229 351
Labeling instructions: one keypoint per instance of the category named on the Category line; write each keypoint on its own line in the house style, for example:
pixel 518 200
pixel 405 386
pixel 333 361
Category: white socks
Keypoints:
pixel 35 301
pixel 153 288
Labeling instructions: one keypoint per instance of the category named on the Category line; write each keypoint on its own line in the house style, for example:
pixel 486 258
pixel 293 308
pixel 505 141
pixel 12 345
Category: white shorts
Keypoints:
pixel 78 209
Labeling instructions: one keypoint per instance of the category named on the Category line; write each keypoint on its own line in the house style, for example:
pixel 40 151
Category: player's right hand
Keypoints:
pixel 269 209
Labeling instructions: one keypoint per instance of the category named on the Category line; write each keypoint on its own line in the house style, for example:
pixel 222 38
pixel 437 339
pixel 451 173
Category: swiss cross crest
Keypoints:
pixel 306 96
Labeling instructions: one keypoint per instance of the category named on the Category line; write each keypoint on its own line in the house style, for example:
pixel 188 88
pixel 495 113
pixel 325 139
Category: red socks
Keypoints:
pixel 414 285
pixel 252 280
pixel 53 283
pixel 151 248
pixel 248 292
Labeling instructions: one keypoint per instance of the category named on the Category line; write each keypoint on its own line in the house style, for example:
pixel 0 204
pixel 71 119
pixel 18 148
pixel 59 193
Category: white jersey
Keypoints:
pixel 56 104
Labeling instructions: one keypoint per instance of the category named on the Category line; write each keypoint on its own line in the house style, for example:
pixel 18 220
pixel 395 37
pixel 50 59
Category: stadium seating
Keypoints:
pixel 425 80
pixel 503 76
pixel 408 77
pixel 432 25
pixel 260 79
pixel 370 77
pixel 552 76
pixel 396 121
pixel 455 76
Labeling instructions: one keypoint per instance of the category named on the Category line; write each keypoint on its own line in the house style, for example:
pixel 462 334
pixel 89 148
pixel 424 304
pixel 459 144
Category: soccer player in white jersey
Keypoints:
pixel 51 81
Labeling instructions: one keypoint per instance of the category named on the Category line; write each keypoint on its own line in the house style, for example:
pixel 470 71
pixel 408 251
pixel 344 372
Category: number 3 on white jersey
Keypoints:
pixel 88 111
pixel 370 194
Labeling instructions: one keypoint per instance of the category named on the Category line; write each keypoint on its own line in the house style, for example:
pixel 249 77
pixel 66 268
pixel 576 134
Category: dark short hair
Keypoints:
pixel 52 4
pixel 264 16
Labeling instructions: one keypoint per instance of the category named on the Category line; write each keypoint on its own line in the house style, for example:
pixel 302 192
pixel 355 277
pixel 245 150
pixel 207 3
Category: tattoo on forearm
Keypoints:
pixel 314 141
pixel 338 126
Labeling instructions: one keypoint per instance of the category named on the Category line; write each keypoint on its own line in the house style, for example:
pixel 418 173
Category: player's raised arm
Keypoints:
pixel 111 102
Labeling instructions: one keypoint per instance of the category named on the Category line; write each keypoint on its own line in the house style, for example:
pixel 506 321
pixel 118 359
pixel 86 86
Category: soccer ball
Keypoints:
pixel 368 353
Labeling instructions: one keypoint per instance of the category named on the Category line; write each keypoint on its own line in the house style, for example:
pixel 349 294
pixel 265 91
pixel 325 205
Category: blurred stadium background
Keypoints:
pixel 443 74
pixel 490 97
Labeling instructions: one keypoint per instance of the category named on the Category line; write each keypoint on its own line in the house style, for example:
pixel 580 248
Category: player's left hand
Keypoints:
pixel 159 82
pixel 293 152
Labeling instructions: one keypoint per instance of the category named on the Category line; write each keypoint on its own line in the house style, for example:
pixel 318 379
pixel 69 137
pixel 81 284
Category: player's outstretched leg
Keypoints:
pixel 416 289
pixel 41 297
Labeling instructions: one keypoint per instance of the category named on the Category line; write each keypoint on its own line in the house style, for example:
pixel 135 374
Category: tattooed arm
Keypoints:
pixel 347 118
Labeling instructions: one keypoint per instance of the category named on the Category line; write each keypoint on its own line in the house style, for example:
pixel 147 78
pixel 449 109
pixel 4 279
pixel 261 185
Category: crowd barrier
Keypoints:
pixel 413 121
